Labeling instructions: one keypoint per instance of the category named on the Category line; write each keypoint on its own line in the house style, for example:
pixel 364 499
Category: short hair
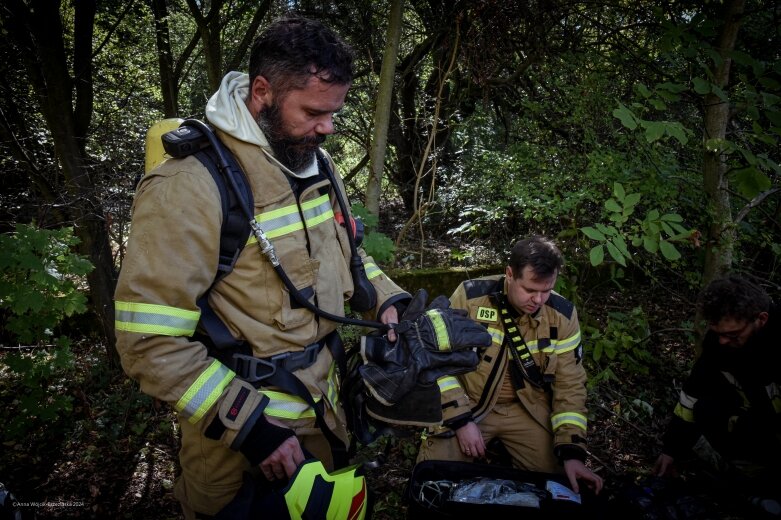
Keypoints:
pixel 294 48
pixel 733 296
pixel 538 252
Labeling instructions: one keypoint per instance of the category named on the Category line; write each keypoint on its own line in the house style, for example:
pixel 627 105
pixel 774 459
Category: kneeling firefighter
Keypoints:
pixel 240 395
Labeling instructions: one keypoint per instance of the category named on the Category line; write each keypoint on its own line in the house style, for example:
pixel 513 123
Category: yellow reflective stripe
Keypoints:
pixel 372 271
pixel 286 406
pixel 147 318
pixel 567 344
pixel 317 211
pixel 440 329
pixel 687 414
pixel 448 383
pixel 576 419
pixel 333 386
pixel 202 394
pixel 278 222
pixel 497 336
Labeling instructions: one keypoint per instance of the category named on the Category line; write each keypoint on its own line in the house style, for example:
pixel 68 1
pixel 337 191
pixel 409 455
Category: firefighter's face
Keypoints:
pixel 735 332
pixel 528 292
pixel 297 122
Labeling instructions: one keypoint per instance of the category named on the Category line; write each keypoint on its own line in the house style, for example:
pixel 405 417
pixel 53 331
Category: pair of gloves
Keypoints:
pixel 432 342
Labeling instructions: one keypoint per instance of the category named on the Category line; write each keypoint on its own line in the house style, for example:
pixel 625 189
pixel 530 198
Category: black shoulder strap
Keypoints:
pixel 514 340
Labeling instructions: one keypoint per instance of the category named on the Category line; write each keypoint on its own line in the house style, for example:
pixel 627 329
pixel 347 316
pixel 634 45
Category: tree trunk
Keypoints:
pixel 721 233
pixel 38 31
pixel 165 60
pixel 383 108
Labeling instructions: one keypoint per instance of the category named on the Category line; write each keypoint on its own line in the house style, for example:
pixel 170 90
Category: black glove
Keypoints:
pixel 432 342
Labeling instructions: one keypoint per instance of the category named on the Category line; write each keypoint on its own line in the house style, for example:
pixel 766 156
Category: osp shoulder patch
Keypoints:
pixel 487 314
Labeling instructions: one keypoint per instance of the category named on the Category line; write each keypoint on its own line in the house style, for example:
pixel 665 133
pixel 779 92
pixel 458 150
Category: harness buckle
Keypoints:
pixel 292 361
pixel 247 368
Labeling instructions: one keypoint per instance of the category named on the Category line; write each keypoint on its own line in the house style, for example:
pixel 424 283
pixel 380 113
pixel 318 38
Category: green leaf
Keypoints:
pixel 677 131
pixel 626 116
pixel 653 215
pixel 597 255
pixel 643 90
pixel 668 250
pixel 654 131
pixel 593 234
pixel 650 244
pixel 701 86
pixel 618 191
pixel 658 104
pixel 720 93
pixel 615 253
pixel 751 182
pixel 612 205
pixel 675 88
pixel 672 217
pixel 620 243
pixel 632 199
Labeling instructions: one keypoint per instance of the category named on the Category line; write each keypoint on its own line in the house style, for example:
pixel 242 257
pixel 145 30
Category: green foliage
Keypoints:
pixel 621 344
pixel 39 278
pixel 655 232
pixel 376 244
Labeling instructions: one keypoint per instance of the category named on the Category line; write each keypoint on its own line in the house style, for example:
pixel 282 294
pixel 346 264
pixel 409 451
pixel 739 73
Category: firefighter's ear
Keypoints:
pixel 762 319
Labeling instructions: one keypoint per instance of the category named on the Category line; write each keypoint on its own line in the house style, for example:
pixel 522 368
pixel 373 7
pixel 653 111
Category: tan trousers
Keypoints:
pixel 212 473
pixel 529 444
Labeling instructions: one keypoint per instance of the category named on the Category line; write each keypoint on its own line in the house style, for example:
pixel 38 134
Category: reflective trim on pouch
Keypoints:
pixel 202 394
pixel 574 418
pixel 147 318
pixel 497 336
pixel 687 414
pixel 372 271
pixel 317 211
pixel 440 329
pixel 448 383
pixel 287 406
pixel 333 386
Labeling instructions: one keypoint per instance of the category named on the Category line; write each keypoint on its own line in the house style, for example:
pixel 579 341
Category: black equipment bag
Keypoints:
pixel 428 488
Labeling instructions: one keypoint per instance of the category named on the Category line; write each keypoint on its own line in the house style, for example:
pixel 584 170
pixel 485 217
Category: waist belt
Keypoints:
pixel 254 369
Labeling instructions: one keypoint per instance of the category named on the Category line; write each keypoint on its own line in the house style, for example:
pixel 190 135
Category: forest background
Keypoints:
pixel 642 136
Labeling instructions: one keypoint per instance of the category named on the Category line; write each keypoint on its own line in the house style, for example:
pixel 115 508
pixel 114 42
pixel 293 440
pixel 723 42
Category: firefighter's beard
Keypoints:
pixel 297 153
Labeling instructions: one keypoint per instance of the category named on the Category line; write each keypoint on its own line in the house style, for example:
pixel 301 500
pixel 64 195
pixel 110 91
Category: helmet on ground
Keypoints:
pixel 313 493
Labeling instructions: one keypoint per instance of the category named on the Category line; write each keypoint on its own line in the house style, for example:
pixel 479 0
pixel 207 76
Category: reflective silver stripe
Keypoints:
pixel 317 211
pixel 497 336
pixel 567 344
pixel 574 418
pixel 448 383
pixel 203 393
pixel 687 400
pixel 147 318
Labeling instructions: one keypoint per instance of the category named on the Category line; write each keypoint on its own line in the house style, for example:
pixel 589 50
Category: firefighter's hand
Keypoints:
pixel 284 460
pixel 665 466
pixel 470 440
pixel 390 317
pixel 576 470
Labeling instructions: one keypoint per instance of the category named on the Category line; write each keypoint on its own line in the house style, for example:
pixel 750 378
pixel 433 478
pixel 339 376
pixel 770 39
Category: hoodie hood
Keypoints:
pixel 227 110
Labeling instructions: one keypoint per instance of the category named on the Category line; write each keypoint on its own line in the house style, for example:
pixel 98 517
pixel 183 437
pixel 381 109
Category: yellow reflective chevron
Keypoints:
pixel 147 318
pixel 447 383
pixel 286 406
pixel 440 329
pixel 560 419
pixel 497 336
pixel 286 220
pixel 202 394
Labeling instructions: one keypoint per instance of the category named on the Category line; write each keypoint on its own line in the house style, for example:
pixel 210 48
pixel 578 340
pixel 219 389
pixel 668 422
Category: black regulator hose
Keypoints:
pixel 268 249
